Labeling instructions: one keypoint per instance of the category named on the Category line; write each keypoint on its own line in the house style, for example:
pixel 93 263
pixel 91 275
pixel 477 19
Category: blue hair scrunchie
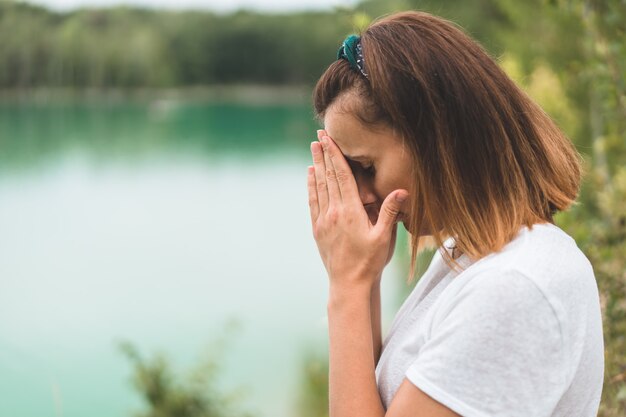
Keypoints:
pixel 352 51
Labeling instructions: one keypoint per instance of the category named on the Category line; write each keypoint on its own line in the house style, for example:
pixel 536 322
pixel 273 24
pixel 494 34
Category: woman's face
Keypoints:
pixel 379 160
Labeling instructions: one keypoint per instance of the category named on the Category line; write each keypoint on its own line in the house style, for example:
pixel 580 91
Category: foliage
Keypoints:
pixel 313 401
pixel 168 394
pixel 600 226
pixel 131 47
pixel 569 55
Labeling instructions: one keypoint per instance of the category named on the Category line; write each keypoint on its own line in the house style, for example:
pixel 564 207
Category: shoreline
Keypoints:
pixel 261 94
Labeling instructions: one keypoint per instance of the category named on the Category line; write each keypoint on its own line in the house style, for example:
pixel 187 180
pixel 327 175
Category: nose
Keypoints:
pixel 369 200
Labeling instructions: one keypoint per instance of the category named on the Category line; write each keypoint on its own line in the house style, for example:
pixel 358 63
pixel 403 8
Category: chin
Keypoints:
pixel 406 222
pixel 410 228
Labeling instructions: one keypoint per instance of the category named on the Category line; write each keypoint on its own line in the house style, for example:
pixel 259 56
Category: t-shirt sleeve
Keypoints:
pixel 495 349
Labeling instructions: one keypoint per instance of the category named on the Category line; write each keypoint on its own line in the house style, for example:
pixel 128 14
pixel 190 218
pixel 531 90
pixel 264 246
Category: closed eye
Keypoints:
pixel 368 170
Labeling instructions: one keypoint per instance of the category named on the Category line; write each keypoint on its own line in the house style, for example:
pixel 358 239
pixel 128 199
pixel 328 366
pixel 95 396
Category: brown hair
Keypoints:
pixel 487 158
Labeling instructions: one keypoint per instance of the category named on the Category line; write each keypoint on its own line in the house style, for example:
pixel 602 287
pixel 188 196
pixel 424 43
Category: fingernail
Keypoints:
pixel 401 197
pixel 325 142
pixel 315 148
pixel 320 133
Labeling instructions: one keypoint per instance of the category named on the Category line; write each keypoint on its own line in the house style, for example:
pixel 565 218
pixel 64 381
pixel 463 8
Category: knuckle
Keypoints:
pixel 330 174
pixel 378 239
pixel 321 186
pixel 333 215
pixel 351 213
pixel 342 177
pixel 316 231
pixel 391 211
pixel 318 157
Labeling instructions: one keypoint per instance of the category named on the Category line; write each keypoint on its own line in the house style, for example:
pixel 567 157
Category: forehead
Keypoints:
pixel 352 136
pixel 346 130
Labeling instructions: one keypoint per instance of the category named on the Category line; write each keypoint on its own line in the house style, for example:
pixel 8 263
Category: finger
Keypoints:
pixel 392 242
pixel 343 174
pixel 334 196
pixel 390 209
pixel 394 234
pixel 320 176
pixel 313 203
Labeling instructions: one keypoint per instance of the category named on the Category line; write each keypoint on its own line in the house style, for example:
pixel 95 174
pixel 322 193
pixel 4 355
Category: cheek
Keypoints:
pixel 369 191
pixel 381 187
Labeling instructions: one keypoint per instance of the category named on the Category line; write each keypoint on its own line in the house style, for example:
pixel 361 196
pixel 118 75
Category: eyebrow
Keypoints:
pixel 358 158
pixel 355 158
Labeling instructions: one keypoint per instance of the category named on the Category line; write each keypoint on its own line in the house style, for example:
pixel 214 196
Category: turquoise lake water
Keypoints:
pixel 156 222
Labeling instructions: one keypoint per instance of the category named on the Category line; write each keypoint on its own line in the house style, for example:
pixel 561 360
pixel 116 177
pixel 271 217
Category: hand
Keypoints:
pixel 372 211
pixel 354 249
pixel 372 214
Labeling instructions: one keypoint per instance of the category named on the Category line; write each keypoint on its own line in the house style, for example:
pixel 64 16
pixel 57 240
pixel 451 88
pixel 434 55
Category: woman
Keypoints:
pixel 422 126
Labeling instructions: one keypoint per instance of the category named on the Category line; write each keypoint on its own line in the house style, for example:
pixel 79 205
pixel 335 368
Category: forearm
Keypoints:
pixel 352 381
pixel 375 313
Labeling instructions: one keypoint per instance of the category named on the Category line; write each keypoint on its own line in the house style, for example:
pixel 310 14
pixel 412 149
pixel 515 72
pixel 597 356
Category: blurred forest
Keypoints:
pixel 569 55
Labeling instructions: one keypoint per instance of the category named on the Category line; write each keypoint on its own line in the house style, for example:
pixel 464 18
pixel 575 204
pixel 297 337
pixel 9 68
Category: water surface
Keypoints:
pixel 157 222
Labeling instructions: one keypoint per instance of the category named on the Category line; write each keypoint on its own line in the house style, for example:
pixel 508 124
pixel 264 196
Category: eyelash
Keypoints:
pixel 369 170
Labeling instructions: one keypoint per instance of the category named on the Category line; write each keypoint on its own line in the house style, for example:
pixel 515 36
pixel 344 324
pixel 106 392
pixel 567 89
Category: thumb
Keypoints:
pixel 390 209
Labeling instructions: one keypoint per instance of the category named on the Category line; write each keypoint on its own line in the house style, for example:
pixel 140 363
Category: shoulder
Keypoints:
pixel 540 282
pixel 511 327
pixel 546 251
pixel 526 282
pixel 543 257
pixel 494 344
pixel 499 296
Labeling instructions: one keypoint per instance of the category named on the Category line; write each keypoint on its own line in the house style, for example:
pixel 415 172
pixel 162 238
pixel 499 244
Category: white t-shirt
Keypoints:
pixel 517 333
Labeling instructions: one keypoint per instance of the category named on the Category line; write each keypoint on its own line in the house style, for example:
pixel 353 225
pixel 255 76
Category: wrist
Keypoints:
pixel 375 292
pixel 376 282
pixel 355 295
